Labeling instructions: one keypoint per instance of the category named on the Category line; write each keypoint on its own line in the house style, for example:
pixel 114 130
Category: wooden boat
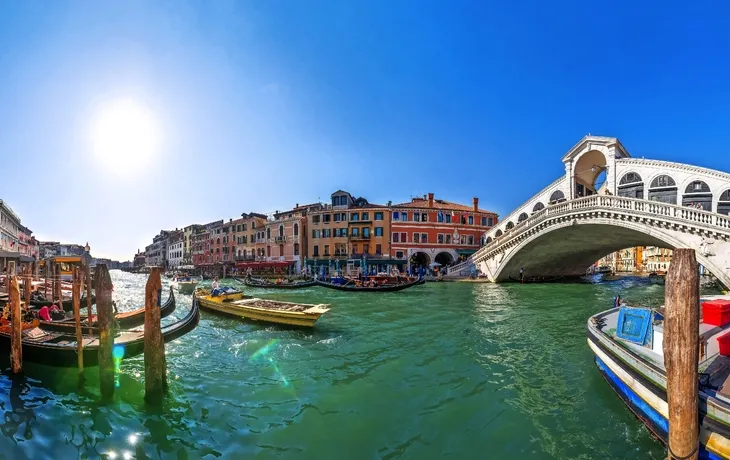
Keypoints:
pixel 378 288
pixel 537 279
pixel 67 303
pixel 187 285
pixel 59 348
pixel 610 277
pixel 259 283
pixel 125 320
pixel 631 360
pixel 270 311
pixel 656 278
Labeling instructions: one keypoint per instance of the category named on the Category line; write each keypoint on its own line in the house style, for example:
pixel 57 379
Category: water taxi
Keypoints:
pixel 235 303
pixel 186 285
pixel 627 343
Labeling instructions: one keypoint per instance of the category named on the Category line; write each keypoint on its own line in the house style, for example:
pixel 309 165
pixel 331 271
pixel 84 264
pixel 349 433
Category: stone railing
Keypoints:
pixel 653 209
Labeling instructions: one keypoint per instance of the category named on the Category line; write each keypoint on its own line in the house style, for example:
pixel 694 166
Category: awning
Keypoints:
pixel 26 259
pixel 466 252
pixel 255 265
pixel 10 254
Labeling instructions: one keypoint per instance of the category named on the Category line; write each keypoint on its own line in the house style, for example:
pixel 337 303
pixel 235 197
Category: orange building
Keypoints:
pixel 426 230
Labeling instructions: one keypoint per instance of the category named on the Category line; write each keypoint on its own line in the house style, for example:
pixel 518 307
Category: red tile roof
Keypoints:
pixel 422 203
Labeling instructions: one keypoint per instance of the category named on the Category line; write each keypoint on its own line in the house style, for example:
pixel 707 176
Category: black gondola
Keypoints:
pixel 125 320
pixel 59 349
pixel 382 288
pixel 67 305
pixel 252 282
pixel 537 279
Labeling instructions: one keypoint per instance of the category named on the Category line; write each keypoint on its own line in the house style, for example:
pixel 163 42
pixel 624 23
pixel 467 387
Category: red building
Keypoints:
pixel 427 230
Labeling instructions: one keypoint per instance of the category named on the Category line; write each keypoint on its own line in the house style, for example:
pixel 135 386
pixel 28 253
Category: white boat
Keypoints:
pixel 186 285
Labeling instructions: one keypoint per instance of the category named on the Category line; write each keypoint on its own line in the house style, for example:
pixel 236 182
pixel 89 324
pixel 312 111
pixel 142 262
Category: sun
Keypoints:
pixel 125 136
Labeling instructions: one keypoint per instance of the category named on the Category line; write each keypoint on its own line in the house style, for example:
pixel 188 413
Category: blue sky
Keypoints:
pixel 261 105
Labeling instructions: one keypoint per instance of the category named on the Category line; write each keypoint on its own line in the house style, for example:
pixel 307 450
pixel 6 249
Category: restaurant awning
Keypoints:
pixel 255 265
pixel 465 252
pixel 9 255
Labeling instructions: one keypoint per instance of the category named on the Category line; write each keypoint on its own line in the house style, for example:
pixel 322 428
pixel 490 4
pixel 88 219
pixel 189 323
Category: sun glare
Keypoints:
pixel 125 136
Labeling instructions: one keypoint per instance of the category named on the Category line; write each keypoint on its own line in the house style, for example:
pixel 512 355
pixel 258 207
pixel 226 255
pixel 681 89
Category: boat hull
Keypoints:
pixel 301 319
pixel 253 284
pixel 187 288
pixel 390 288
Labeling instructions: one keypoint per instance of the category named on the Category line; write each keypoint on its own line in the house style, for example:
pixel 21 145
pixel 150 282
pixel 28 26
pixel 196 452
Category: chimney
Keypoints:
pixel 430 200
pixel 476 204
pixel 390 203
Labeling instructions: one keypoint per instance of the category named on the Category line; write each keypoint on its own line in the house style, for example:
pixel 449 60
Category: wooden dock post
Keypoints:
pixel 27 282
pixel 88 296
pixel 681 353
pixel 105 319
pixel 76 295
pixel 16 326
pixel 155 365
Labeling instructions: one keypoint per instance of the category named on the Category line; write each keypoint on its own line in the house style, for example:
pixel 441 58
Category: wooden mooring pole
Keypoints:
pixel 681 353
pixel 155 365
pixel 16 326
pixel 76 295
pixel 87 272
pixel 105 319
pixel 27 282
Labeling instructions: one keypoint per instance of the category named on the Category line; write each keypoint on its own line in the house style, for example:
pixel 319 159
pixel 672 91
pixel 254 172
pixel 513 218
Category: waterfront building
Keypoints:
pixel 156 253
pixel 657 259
pixel 187 243
pixel 244 235
pixel 139 259
pixel 427 230
pixel 9 228
pixel 200 246
pixel 26 242
pixel 175 248
pixel 216 242
pixel 348 234
pixel 630 260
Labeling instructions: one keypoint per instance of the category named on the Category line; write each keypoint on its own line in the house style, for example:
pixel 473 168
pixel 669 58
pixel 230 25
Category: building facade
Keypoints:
pixel 657 259
pixel 156 253
pixel 427 230
pixel 175 248
pixel 286 239
pixel 9 228
pixel 244 235
pixel 139 259
pixel 187 243
pixel 200 246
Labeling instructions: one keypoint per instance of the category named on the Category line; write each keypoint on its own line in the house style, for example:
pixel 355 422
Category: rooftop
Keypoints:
pixel 422 203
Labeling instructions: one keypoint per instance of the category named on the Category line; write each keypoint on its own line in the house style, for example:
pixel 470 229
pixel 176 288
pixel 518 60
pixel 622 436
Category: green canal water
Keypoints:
pixel 453 370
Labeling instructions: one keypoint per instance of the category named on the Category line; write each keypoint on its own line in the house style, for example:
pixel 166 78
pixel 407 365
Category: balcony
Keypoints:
pixel 245 258
pixel 280 239
pixel 360 237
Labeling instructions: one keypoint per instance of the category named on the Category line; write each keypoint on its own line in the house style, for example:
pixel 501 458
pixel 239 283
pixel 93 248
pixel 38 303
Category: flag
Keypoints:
pixel 12 243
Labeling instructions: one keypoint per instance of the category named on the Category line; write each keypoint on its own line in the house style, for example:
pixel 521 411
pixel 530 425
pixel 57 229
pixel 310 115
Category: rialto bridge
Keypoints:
pixel 576 220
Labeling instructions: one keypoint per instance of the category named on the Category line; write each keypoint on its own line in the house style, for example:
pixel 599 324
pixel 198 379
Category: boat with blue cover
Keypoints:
pixel 627 343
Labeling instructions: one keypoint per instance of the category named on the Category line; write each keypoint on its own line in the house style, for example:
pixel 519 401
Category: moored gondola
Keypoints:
pixel 67 305
pixel 382 288
pixel 125 320
pixel 59 349
pixel 259 283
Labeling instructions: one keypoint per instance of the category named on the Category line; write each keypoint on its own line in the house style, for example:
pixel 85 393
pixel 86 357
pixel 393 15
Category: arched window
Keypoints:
pixel 663 189
pixel 489 240
pixel 631 186
pixel 522 217
pixel 510 225
pixel 498 234
pixel 557 196
pixel 281 230
pixel 218 241
pixel 698 195
pixel 296 229
pixel 538 207
pixel 268 233
pixel 723 206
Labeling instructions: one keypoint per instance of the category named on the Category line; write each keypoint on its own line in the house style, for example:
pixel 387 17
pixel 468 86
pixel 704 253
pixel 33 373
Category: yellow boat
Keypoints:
pixel 270 311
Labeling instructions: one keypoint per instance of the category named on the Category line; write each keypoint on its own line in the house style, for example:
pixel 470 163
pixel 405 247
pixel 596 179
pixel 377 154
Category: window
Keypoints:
pixel 484 221
pixel 296 229
pixel 424 217
pixel 316 233
pixel 471 220
pixel 395 237
pixel 403 237
pixel 448 218
pixel 416 237
pixel 378 216
pixel 463 239
pixel 366 249
pixel 470 239
pixel 424 237
pixel 399 254
pixel 365 216
pixel 281 230
pixel 416 217
pixel 440 216
pixel 447 238
pixel 243 227
pixel 355 231
pixel 218 241
pixel 366 232
pixel 326 218
pixel 326 233
pixel 336 217
pixel 253 225
pixel 404 216
pixel 268 233
pixel 378 231
pixel 378 249
pixel 396 215
pixel 238 227
pixel 316 250
pixel 440 238
pixel 354 217
pixel 315 219
pixel 326 249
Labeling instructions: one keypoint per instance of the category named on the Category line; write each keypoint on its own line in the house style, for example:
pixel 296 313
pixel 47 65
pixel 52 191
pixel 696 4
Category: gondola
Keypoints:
pixel 125 320
pixel 59 349
pixel 386 288
pixel 536 280
pixel 68 305
pixel 252 282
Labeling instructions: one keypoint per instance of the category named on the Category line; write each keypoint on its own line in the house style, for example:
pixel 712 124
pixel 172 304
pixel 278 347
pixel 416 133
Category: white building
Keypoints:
pixel 9 228
pixel 175 249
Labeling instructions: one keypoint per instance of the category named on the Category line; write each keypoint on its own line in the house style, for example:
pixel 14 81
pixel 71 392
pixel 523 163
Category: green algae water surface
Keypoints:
pixel 453 370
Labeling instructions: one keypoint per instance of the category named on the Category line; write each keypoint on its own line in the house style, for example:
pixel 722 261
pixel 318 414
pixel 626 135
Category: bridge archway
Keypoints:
pixel 510 225
pixel 631 186
pixel 557 196
pixel 522 217
pixel 698 194
pixel 589 172
pixel 723 206
pixel 444 258
pixel 538 207
pixel 570 247
pixel 498 233
pixel 420 259
pixel 663 189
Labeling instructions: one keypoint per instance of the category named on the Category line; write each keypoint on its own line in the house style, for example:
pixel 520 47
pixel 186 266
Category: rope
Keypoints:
pixel 677 457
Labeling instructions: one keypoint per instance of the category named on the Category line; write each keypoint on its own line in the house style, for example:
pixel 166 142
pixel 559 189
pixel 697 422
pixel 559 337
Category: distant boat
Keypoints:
pixel 656 278
pixel 351 286
pixel 187 285
pixel 261 283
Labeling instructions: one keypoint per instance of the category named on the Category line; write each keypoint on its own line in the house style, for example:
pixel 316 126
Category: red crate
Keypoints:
pixel 724 342
pixel 716 312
